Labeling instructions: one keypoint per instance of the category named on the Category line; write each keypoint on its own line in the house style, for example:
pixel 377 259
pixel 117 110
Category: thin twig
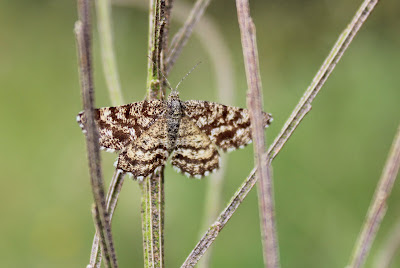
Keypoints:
pixel 203 245
pixel 104 25
pixel 378 206
pixel 269 235
pixel 180 39
pixel 103 8
pixel 83 36
pixel 302 108
pixel 112 199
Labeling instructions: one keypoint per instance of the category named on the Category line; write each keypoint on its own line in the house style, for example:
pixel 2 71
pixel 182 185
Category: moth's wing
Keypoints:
pixel 194 154
pixel 228 127
pixel 146 153
pixel 119 126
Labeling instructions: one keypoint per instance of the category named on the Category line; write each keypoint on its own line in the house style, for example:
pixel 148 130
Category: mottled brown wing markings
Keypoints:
pixel 118 126
pixel 228 127
pixel 194 154
pixel 147 132
pixel 149 151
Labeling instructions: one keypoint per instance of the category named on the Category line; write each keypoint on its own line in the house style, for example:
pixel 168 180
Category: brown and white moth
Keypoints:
pixel 146 133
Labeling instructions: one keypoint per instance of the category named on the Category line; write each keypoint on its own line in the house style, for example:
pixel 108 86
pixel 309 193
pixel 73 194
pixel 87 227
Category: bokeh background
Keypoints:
pixel 324 177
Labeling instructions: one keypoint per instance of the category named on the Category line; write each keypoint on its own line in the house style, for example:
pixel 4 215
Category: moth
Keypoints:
pixel 190 133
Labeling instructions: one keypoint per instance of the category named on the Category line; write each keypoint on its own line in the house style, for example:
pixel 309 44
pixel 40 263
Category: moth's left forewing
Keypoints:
pixel 118 126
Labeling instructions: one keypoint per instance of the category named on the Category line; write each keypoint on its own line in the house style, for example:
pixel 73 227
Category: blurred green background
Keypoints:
pixel 324 177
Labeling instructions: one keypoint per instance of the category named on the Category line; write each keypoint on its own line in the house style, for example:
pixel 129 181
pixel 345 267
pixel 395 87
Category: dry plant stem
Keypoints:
pixel 302 108
pixel 203 245
pixel 103 8
pixel 378 206
pixel 269 236
pixel 112 199
pixel 83 36
pixel 389 249
pixel 153 186
pixel 180 39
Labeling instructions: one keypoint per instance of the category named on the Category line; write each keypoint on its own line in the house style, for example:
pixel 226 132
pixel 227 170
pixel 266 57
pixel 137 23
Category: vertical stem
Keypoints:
pixel 83 35
pixel 144 214
pixel 153 220
pixel 153 186
pixel 269 236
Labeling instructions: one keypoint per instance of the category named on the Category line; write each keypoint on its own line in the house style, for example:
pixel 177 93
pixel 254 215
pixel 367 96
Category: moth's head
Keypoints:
pixel 174 95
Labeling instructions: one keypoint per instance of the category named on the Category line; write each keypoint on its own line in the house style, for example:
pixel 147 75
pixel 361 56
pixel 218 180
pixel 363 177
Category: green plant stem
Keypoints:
pixel 378 206
pixel 104 25
pixel 153 186
pixel 153 220
pixel 302 108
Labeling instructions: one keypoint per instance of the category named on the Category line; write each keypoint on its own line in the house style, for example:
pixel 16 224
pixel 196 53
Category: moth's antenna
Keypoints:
pixel 168 84
pixel 187 75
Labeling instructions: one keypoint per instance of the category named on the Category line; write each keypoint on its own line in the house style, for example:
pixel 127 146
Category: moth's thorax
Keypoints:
pixel 174 108
pixel 174 105
pixel 173 114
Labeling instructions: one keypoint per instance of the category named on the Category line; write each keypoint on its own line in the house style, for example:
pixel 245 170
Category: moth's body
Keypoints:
pixel 147 133
pixel 173 114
